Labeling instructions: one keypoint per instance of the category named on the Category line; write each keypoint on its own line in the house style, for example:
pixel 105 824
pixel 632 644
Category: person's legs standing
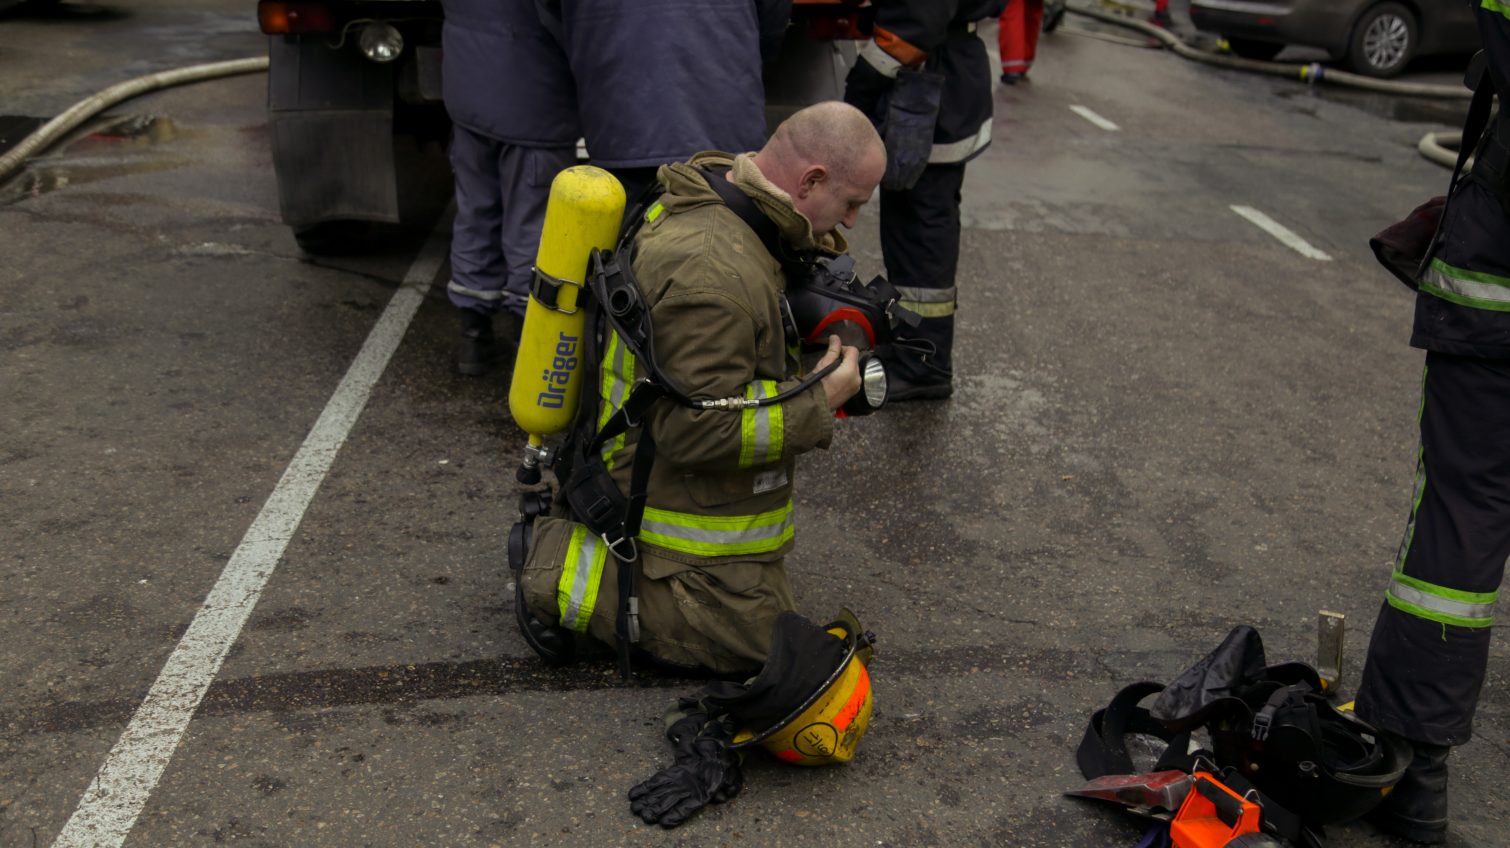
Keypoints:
pixel 1032 25
pixel 525 175
pixel 1429 652
pixel 1010 41
pixel 920 232
pixel 478 270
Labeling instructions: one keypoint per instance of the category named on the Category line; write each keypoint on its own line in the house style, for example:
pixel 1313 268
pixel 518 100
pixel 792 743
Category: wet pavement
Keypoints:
pixel 1167 422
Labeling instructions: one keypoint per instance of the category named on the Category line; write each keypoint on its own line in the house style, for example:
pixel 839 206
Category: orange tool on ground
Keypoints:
pixel 1213 816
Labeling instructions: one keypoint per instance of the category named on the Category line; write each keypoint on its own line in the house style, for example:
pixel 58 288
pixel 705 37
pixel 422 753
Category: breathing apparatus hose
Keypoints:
pixel 749 403
pixel 87 108
pixel 1312 73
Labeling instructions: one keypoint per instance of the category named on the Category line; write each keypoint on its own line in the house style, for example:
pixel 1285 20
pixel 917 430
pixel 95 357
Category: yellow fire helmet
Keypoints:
pixel 827 728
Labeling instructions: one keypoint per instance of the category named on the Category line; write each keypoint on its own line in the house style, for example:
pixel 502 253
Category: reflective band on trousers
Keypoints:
pixel 479 294
pixel 761 429
pixel 713 536
pixel 577 591
pixel 1497 6
pixel 618 377
pixel 959 151
pixel 929 303
pixel 884 62
pixel 1439 603
pixel 1467 288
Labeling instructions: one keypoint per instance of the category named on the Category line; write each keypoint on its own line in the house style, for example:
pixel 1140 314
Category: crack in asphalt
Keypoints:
pixel 445 681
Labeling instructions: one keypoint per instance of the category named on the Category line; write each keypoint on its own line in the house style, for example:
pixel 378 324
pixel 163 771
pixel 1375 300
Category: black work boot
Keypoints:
pixel 479 351
pixel 1416 809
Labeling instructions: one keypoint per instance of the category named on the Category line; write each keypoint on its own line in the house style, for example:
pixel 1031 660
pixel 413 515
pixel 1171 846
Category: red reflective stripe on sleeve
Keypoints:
pixel 898 48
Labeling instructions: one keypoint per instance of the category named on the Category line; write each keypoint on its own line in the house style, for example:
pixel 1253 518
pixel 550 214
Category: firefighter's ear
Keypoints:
pixel 810 179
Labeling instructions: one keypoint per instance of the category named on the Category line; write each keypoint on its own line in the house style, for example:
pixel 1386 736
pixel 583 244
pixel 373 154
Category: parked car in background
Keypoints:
pixel 1374 37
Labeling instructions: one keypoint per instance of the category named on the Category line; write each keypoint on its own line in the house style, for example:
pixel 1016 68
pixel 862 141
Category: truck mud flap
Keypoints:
pixel 330 126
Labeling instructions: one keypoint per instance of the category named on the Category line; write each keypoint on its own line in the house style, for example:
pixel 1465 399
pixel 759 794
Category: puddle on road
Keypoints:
pixel 92 157
pixel 1391 107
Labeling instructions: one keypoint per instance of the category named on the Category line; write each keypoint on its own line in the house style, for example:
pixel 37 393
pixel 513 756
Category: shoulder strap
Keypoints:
pixel 1481 81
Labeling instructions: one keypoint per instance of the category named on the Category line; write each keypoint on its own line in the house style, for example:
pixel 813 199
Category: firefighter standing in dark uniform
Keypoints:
pixel 514 114
pixel 1430 648
pixel 920 215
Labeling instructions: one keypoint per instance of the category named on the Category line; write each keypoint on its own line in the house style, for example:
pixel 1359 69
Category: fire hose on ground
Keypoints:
pixel 87 108
pixel 1437 147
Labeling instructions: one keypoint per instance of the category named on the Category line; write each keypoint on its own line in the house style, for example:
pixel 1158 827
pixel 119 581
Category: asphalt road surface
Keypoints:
pixel 1185 402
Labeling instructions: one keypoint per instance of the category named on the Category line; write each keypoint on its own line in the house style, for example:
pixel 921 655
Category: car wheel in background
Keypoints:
pixel 1383 41
pixel 1247 48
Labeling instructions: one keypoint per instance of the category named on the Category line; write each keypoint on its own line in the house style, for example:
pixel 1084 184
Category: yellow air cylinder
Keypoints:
pixel 585 209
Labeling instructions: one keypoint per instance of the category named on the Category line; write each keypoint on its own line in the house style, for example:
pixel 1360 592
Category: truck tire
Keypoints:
pixel 1383 41
pixel 334 238
pixel 1247 48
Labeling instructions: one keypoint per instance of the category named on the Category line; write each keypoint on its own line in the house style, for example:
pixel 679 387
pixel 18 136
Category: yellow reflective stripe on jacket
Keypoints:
pixel 928 303
pixel 762 428
pixel 711 535
pixel 1441 604
pixel 577 591
pixel 618 379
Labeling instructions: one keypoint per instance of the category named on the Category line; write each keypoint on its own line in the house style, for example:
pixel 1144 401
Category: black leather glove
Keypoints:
pixel 705 771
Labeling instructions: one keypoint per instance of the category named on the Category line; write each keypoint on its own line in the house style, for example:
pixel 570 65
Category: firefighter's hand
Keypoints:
pixel 842 384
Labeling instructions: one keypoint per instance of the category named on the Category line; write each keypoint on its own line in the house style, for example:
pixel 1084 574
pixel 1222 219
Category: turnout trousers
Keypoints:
pixel 920 232
pixel 1430 648
pixel 501 190
pixel 1017 35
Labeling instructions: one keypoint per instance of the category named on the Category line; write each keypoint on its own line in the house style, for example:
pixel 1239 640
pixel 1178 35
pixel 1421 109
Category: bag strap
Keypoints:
pixel 1103 749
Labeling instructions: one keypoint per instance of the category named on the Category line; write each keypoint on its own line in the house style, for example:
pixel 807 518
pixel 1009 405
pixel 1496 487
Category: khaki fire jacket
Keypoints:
pixel 718 516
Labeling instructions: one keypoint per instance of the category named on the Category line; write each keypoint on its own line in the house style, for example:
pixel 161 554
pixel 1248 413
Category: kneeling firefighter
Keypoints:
pixel 667 537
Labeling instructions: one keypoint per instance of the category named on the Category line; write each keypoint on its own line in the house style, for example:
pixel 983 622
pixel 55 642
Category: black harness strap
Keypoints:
pixel 1103 749
pixel 742 206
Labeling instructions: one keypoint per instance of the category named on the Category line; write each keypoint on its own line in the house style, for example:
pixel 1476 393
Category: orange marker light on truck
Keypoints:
pixel 279 18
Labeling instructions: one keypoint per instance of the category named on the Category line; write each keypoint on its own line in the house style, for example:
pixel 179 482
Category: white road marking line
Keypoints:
pixel 1275 229
pixel 115 798
pixel 1094 118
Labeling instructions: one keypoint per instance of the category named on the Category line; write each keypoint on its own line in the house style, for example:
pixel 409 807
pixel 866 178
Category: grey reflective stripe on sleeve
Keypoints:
pixel 458 288
pixel 1467 288
pixel 929 303
pixel 879 59
pixel 959 151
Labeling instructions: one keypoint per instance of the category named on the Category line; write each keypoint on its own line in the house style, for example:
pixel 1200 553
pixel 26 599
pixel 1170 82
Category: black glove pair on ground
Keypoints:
pixel 705 770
